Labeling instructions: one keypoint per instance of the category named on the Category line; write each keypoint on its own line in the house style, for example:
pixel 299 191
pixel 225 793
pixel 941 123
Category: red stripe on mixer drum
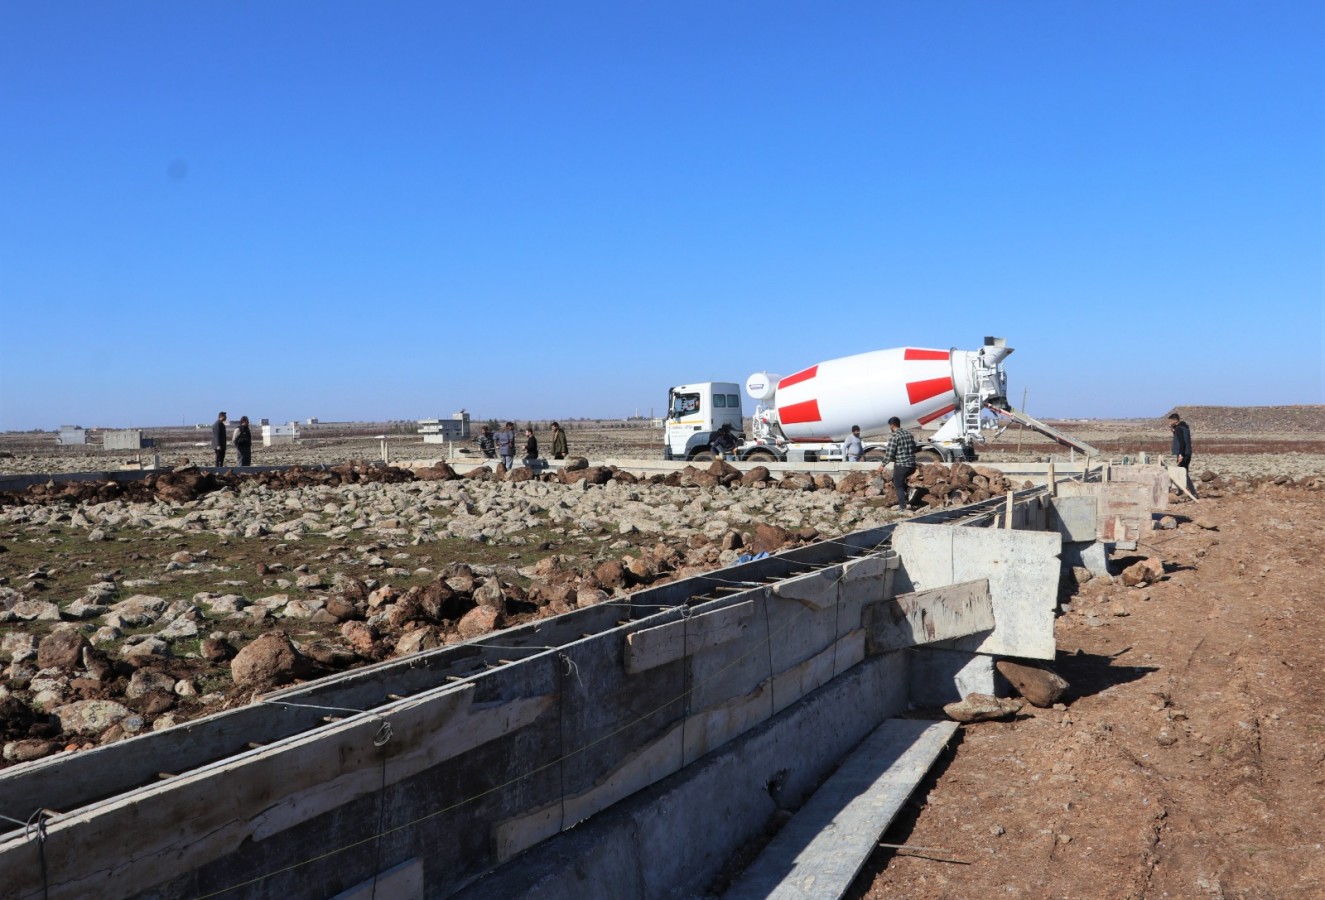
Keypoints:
pixel 932 416
pixel 796 413
pixel 920 391
pixel 803 375
pixel 913 353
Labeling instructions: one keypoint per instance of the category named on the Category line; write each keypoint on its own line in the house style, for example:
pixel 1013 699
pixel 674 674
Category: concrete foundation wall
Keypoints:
pixel 672 839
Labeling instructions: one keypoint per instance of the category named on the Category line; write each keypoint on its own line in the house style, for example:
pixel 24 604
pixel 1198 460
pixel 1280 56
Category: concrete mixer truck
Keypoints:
pixel 805 417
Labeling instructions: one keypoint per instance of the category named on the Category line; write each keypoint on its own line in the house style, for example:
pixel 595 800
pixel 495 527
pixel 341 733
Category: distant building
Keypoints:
pixel 71 435
pixel 312 421
pixel 125 439
pixel 439 431
pixel 272 435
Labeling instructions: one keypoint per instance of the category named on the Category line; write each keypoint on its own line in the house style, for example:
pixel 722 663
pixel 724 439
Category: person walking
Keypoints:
pixel 530 448
pixel 559 448
pixel 505 441
pixel 1182 440
pixel 244 442
pixel 853 447
pixel 901 452
pixel 218 439
pixel 486 445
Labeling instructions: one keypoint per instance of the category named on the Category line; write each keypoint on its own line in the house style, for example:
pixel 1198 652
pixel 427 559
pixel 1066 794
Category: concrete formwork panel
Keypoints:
pixel 1123 509
pixel 671 839
pixel 1075 518
pixel 1023 572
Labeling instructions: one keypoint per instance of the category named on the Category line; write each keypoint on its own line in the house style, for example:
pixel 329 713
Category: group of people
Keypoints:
pixel 501 444
pixel 242 439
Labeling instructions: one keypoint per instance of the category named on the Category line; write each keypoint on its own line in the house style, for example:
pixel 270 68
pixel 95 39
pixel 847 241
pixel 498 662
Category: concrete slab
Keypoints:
pixel 1022 568
pixel 940 676
pixel 1089 554
pixel 819 852
pixel 1075 518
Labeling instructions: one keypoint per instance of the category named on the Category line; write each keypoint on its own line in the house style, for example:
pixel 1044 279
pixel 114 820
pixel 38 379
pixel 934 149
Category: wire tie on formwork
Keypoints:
pixel 571 668
pixel 384 734
pixel 36 824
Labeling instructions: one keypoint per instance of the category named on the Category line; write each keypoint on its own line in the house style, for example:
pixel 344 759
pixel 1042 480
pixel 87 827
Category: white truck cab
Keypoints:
pixel 694 412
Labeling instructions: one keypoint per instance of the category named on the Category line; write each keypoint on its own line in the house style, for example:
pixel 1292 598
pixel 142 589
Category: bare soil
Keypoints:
pixel 1188 759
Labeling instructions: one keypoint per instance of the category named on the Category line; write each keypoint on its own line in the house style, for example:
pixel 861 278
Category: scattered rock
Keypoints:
pixel 1039 685
pixel 270 659
pixel 982 707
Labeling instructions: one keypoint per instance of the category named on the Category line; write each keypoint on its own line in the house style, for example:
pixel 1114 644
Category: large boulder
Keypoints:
pixel 768 538
pixel 61 649
pixel 269 659
pixel 1039 685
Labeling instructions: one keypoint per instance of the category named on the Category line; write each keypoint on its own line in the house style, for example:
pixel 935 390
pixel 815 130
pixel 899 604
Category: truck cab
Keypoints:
pixel 694 412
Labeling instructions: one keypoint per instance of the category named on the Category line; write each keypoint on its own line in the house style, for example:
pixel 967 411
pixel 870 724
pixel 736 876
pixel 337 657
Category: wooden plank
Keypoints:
pixel 923 617
pixel 820 851
pixel 649 648
pixel 817 590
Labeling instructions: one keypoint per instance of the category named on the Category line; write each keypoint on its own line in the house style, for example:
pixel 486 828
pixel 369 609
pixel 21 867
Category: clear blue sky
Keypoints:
pixel 529 209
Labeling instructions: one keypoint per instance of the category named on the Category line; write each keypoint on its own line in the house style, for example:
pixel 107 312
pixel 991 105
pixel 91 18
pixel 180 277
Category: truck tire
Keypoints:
pixel 761 456
pixel 702 456
pixel 874 455
pixel 929 456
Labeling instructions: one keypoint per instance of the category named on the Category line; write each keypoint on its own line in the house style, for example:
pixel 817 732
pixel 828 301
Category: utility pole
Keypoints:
pixel 1022 429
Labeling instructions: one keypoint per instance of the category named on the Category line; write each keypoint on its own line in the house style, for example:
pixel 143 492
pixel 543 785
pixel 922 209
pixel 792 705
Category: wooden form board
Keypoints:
pixel 818 853
pixel 923 617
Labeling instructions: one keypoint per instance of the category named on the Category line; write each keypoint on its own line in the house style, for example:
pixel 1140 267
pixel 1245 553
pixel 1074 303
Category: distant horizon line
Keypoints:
pixel 317 422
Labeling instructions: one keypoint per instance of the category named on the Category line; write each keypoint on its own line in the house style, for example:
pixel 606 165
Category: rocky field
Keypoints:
pixel 1175 764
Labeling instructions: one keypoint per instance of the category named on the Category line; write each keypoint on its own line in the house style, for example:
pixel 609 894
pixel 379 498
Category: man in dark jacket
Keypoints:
pixel 723 442
pixel 1182 440
pixel 218 439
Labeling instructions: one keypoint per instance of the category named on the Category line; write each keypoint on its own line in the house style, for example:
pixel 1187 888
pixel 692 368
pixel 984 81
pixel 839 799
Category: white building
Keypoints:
pixel 439 431
pixel 273 435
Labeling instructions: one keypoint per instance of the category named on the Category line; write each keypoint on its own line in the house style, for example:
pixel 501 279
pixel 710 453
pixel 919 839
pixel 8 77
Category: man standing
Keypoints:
pixel 901 453
pixel 853 446
pixel 218 439
pixel 1182 440
pixel 559 447
pixel 486 445
pixel 505 440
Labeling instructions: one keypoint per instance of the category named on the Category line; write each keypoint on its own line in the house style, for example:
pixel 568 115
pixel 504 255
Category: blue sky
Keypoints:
pixel 530 209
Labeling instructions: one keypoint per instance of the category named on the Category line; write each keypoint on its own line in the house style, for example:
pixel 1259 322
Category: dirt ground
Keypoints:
pixel 1188 759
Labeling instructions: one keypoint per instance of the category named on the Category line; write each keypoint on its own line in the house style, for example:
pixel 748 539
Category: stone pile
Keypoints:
pixel 124 656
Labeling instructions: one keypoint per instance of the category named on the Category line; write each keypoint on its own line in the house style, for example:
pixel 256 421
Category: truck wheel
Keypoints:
pixel 702 456
pixel 761 456
pixel 929 456
pixel 875 455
